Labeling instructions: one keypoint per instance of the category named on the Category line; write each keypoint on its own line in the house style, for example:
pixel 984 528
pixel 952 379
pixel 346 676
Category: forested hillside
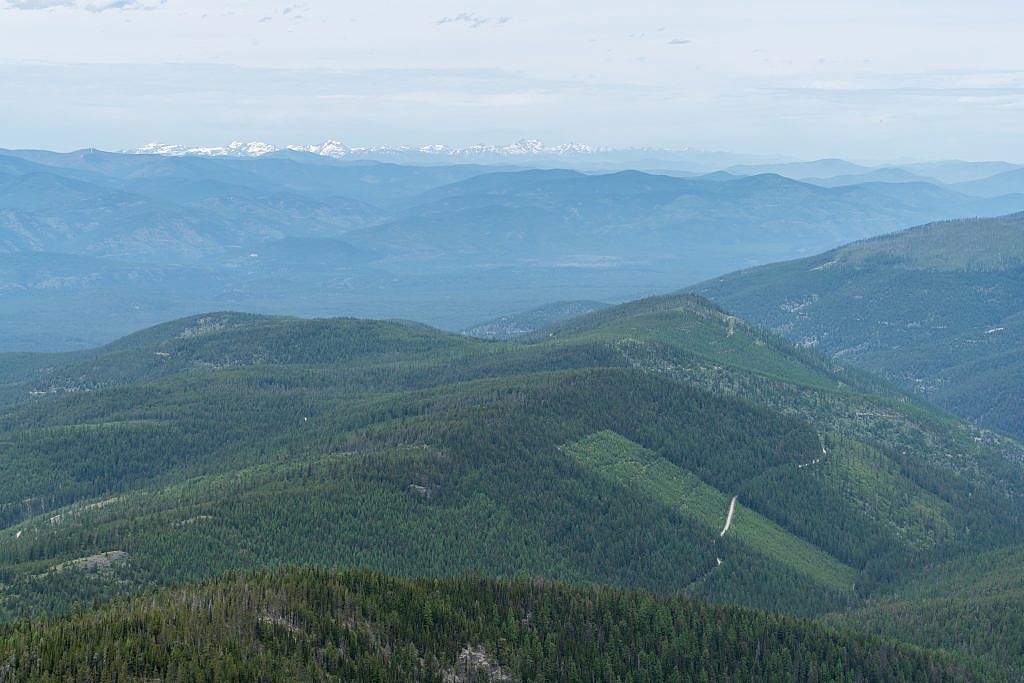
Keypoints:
pixel 938 309
pixel 970 605
pixel 319 626
pixel 663 444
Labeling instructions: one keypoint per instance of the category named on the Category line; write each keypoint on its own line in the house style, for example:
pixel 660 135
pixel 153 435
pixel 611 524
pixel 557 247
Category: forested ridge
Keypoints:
pixel 604 450
pixel 936 308
pixel 319 626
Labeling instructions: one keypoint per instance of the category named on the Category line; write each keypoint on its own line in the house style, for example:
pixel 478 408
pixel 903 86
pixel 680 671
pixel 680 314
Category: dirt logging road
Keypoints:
pixel 728 519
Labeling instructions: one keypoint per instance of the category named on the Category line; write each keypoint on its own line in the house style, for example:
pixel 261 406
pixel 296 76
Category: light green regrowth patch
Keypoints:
pixel 623 461
pixel 872 483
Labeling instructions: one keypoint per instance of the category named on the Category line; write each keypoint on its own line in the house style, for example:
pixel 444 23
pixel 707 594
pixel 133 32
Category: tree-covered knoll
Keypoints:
pixel 972 245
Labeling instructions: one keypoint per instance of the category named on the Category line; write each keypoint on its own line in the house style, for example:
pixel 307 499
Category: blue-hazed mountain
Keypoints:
pixel 938 308
pixel 522 152
pixel 306 175
pixel 879 175
pixel 559 215
pixel 993 186
pixel 839 171
pixel 955 171
pixel 800 170
pixel 303 234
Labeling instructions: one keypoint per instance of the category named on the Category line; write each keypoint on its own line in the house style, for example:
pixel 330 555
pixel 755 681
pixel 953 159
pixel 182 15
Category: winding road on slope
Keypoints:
pixel 728 519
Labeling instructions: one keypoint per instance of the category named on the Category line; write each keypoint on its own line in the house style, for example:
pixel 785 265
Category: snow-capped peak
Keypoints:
pixel 329 148
pixel 161 149
pixel 337 150
pixel 234 149
pixel 249 149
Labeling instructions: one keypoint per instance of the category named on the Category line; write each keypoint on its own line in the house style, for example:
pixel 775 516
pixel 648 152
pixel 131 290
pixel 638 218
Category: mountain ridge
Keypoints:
pixel 936 308
pixel 318 625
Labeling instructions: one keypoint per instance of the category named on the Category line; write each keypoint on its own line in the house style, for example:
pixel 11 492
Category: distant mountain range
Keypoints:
pixel 339 150
pixel 829 172
pixel 94 244
pixel 532 152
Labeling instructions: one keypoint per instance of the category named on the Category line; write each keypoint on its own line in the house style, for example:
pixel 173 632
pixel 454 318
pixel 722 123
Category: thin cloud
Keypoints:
pixel 473 20
pixel 122 5
pixel 38 4
pixel 292 12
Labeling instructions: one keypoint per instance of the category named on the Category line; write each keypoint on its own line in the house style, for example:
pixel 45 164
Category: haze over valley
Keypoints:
pixel 99 244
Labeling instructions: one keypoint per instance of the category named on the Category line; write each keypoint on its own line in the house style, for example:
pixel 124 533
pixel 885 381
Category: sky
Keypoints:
pixel 867 80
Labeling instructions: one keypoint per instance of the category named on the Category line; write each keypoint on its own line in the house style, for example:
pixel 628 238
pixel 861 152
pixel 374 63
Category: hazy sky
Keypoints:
pixel 865 80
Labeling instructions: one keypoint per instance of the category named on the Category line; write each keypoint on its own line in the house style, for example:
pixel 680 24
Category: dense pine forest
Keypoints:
pixel 609 450
pixel 323 626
